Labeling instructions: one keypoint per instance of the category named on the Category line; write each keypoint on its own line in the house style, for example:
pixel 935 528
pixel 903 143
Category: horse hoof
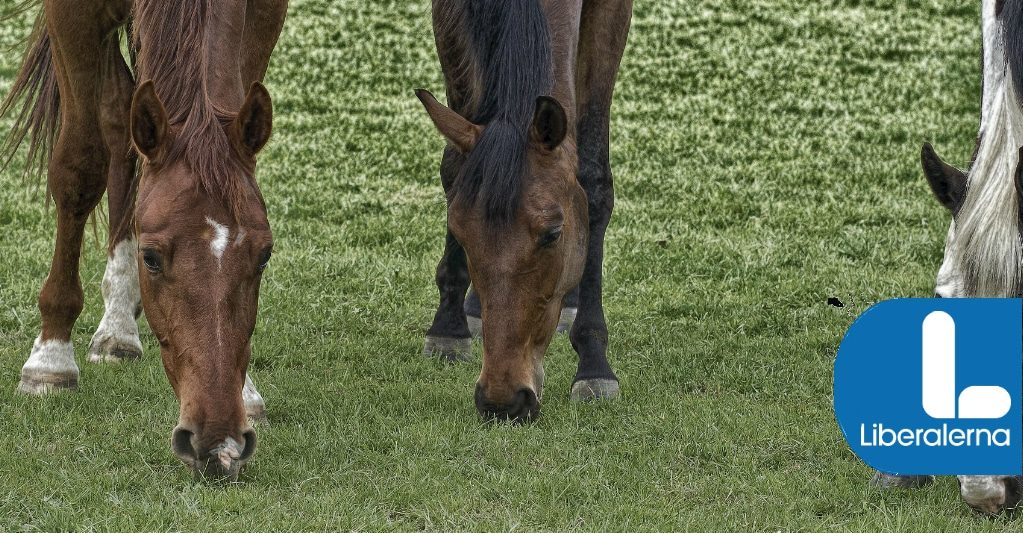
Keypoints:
pixel 50 368
pixel 888 481
pixel 475 326
pixel 41 384
pixel 567 319
pixel 108 347
pixel 586 390
pixel 447 348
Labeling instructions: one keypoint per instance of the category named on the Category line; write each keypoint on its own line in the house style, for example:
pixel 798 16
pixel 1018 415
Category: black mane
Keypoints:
pixel 511 44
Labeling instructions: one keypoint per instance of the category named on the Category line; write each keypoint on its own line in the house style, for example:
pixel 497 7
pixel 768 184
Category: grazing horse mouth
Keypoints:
pixel 223 461
pixel 525 406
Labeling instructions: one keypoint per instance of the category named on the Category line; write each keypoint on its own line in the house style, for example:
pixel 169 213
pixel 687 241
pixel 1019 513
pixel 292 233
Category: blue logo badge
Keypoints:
pixel 934 386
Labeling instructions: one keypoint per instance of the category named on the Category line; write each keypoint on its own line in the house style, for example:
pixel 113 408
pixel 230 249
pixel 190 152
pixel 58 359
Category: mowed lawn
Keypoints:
pixel 766 158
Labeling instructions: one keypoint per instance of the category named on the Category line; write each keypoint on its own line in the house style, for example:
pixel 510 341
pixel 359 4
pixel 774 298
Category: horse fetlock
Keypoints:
pixel 114 345
pixel 117 337
pixel 50 368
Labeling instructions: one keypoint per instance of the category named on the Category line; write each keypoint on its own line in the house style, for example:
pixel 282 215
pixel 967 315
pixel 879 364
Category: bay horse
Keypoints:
pixel 190 217
pixel 984 246
pixel 527 177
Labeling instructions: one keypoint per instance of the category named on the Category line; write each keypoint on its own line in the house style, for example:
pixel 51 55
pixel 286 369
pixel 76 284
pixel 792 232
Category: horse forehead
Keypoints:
pixel 218 239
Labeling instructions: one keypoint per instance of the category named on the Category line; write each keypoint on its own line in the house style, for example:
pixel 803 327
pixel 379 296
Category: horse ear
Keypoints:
pixel 947 182
pixel 461 133
pixel 148 121
pixel 550 123
pixel 251 130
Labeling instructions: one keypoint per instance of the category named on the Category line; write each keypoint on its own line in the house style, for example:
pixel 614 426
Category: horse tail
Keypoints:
pixel 34 101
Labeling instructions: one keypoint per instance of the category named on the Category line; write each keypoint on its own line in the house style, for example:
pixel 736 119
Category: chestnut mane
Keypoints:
pixel 172 43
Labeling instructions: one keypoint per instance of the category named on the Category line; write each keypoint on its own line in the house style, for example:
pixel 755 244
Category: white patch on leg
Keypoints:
pixel 253 400
pixel 984 493
pixel 50 367
pixel 117 337
pixel 219 242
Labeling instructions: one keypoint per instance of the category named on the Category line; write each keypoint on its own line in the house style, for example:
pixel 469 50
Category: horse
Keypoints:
pixel 984 246
pixel 527 179
pixel 173 141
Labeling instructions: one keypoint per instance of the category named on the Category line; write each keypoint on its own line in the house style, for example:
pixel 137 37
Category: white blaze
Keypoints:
pixel 219 242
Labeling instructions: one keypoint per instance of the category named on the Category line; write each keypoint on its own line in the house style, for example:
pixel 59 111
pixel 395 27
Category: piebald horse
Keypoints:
pixel 190 218
pixel 984 247
pixel 528 182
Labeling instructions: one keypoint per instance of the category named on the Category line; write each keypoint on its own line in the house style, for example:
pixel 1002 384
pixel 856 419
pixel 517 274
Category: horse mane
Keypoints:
pixel 509 65
pixel 171 40
pixel 987 228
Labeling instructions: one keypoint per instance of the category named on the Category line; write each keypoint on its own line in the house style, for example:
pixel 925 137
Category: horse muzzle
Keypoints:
pixel 223 460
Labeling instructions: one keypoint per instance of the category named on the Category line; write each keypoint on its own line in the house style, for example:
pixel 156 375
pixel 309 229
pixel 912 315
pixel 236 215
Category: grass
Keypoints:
pixel 765 154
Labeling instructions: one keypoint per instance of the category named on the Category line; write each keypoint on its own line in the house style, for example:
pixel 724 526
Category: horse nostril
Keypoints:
pixel 250 445
pixel 181 443
pixel 529 405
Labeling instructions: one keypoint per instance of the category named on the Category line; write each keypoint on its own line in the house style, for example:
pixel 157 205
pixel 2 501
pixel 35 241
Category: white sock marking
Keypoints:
pixel 51 356
pixel 121 297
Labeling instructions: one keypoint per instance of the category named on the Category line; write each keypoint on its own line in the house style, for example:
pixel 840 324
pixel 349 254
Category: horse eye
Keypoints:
pixel 550 237
pixel 151 260
pixel 264 260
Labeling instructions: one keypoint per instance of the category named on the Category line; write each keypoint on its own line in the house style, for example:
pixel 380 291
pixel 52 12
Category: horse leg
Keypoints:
pixel 474 313
pixel 603 30
pixel 76 180
pixel 117 337
pixel 449 335
pixel 264 20
pixel 569 310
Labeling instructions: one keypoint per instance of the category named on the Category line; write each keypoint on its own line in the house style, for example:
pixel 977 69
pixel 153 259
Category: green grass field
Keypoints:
pixel 765 153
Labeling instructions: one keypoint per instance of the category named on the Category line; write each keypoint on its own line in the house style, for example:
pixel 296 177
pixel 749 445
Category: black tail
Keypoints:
pixel 35 99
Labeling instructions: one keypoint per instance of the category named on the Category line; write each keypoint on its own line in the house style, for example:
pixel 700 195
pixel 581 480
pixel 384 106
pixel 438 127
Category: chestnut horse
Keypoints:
pixel 984 246
pixel 191 219
pixel 528 181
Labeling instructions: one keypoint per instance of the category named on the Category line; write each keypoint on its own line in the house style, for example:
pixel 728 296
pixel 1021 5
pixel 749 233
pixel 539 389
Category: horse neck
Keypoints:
pixel 192 50
pixel 224 55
